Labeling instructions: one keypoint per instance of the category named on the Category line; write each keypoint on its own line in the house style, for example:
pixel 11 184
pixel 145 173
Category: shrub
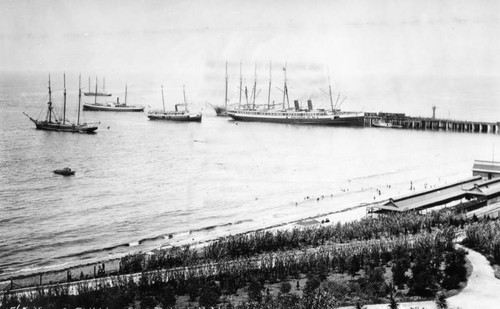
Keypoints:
pixel 255 290
pixel 285 287
pixel 209 296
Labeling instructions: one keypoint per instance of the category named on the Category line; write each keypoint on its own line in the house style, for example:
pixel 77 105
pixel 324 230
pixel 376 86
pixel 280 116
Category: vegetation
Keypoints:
pixel 388 259
pixel 484 236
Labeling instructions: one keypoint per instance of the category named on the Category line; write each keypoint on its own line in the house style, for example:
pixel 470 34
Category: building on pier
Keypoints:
pixel 486 169
pixel 471 194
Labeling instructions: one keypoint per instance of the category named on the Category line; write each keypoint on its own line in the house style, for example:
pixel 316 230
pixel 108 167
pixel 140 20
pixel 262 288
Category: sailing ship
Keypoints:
pixel 179 114
pixel 297 115
pixel 221 110
pixel 112 106
pixel 96 93
pixel 54 123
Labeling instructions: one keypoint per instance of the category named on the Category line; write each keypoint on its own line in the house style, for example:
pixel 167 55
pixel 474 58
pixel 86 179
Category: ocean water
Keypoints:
pixel 141 184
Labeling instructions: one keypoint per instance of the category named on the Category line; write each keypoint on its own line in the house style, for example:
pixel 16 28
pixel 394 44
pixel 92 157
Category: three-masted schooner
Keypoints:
pixel 53 123
pixel 96 93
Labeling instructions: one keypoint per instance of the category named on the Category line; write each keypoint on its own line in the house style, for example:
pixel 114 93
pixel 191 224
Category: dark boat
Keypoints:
pixel 220 111
pixel 64 171
pixel 52 123
pixel 113 106
pixel 96 93
pixel 176 115
pixel 297 115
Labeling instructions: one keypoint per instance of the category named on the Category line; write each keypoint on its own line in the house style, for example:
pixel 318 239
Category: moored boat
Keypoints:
pixel 221 110
pixel 112 106
pixel 66 171
pixel 298 115
pixel 97 93
pixel 176 115
pixel 310 117
pixel 53 123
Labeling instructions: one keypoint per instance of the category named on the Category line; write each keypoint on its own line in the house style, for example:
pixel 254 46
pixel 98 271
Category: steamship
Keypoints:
pixel 297 115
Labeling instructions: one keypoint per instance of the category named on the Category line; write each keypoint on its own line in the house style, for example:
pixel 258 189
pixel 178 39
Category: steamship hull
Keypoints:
pixel 111 108
pixel 343 119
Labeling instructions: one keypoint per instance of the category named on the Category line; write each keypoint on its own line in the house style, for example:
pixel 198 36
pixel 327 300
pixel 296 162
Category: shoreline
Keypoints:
pixel 112 265
pixel 350 212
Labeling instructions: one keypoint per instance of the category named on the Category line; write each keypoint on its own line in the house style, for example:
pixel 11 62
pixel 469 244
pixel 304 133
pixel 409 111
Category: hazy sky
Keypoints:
pixel 378 37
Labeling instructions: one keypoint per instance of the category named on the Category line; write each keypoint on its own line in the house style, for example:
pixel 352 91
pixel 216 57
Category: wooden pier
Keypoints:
pixel 429 123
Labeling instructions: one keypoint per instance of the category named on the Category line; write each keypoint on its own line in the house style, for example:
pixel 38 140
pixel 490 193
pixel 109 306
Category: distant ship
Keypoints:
pixel 52 123
pixel 177 114
pixel 112 106
pixel 221 110
pixel 297 115
pixel 96 93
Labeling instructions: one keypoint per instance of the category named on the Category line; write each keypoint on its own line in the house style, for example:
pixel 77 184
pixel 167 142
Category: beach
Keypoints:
pixel 351 209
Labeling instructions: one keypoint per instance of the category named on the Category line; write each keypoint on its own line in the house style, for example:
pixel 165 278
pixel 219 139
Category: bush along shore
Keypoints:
pixel 402 257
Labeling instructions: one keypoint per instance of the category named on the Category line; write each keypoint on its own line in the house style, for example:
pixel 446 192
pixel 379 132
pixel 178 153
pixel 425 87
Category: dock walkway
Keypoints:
pixel 428 123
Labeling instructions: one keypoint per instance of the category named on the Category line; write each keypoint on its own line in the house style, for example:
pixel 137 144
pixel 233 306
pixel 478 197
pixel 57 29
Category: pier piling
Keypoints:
pixel 433 124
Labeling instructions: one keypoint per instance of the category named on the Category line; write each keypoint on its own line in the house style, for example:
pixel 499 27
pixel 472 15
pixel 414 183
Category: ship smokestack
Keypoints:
pixel 297 107
pixel 309 105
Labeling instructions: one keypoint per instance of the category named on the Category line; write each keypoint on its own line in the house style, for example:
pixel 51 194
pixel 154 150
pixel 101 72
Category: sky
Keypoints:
pixel 353 37
pixel 391 40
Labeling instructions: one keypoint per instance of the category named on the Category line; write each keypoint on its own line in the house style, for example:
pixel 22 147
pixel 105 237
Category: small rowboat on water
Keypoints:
pixel 64 171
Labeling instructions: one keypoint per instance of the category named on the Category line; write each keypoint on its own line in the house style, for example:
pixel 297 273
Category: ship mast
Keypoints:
pixel 48 118
pixel 330 93
pixel 246 95
pixel 125 94
pixel 64 106
pixel 254 91
pixel 269 92
pixel 225 100
pixel 95 94
pixel 184 93
pixel 103 85
pixel 284 87
pixel 80 96
pixel 162 98
pixel 241 85
pixel 89 84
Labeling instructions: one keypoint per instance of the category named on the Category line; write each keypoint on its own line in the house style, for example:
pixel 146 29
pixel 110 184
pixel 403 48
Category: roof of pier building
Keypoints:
pixel 488 188
pixel 486 167
pixel 468 188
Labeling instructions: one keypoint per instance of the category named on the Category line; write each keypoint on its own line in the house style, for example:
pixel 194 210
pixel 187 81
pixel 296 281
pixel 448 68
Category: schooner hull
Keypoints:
pixel 66 128
pixel 99 94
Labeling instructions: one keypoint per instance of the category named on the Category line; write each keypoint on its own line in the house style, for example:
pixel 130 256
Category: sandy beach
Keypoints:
pixel 350 204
